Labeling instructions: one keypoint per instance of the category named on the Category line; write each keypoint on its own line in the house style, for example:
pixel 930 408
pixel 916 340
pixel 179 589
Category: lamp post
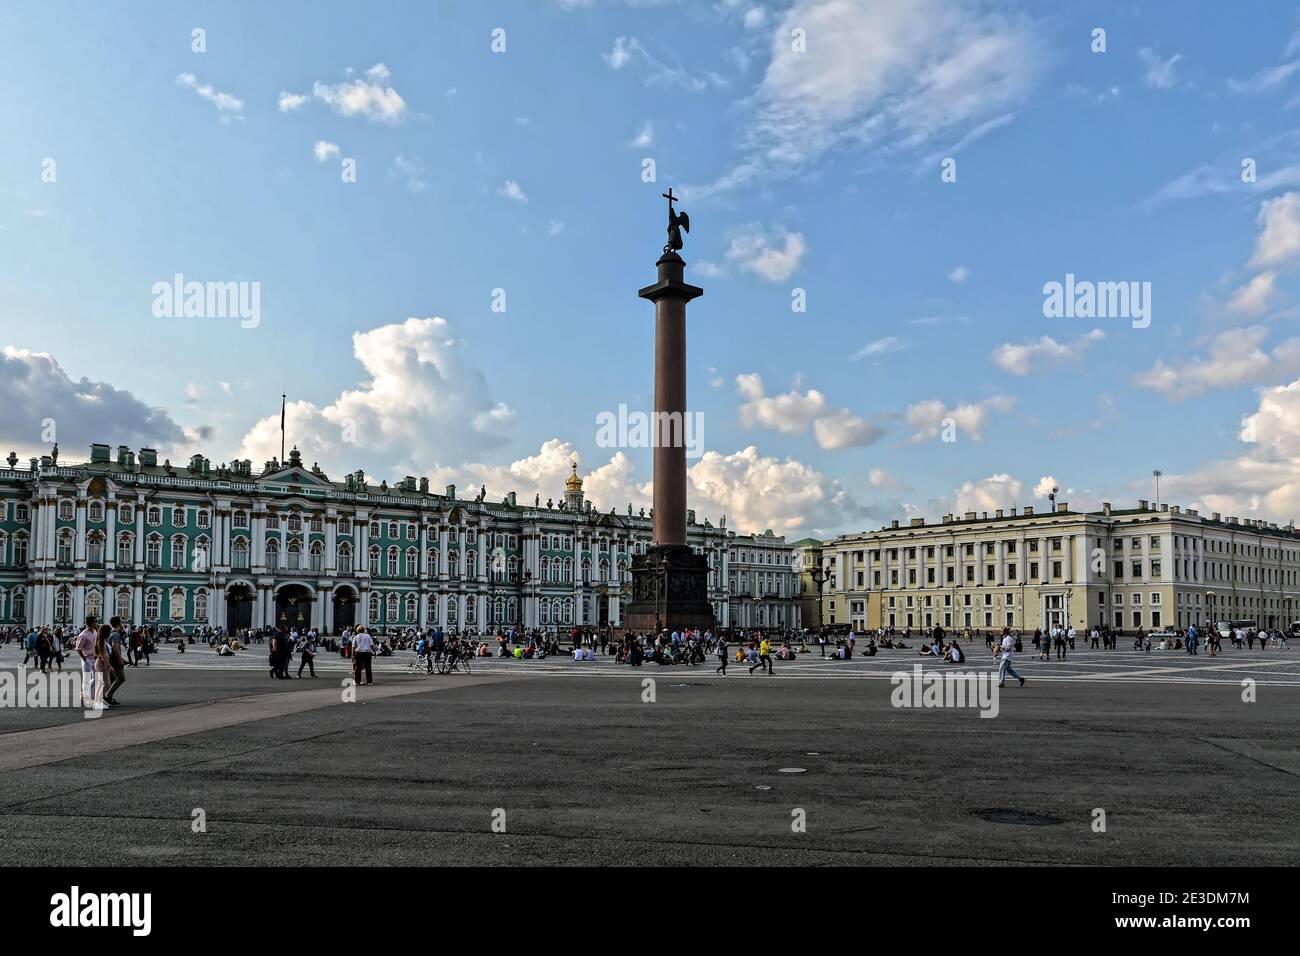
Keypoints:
pixel 1156 475
pixel 819 575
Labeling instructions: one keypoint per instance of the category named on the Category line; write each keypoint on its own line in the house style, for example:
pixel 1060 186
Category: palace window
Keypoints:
pixel 125 550
pixel 374 608
pixel 95 550
pixel 345 526
pixel 373 555
pixel 178 552
pixel 178 517
pixel 412 609
pixel 201 606
pixel 345 558
pixel 295 522
pixel 239 554
pixel 63 604
pixel 392 529
pixel 410 532
pixel 317 557
pixel 176 605
pixel 64 555
pixel 412 563
pixel 272 554
pixel 295 555
pixel 239 521
pixel 431 613
pixel 124 603
pixel 95 604
pixel 96 511
pixel 453 564
pixel 316 523
pixel 65 509
pixel 433 561
pixel 203 519
pixel 152 604
pixel 272 522
pixel 22 514
pixel 393 555
pixel 393 605
pixel 374 529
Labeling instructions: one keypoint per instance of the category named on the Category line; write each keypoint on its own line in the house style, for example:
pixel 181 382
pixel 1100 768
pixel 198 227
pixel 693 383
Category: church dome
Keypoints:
pixel 573 482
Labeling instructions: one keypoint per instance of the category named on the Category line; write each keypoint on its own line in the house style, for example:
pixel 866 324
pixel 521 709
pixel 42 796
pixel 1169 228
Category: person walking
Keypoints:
pixel 363 647
pixel 116 658
pixel 721 651
pixel 86 651
pixel 101 667
pixel 764 656
pixel 1004 665
pixel 308 655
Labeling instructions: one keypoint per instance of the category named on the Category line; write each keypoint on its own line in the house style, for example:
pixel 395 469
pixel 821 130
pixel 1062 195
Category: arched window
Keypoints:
pixel 471 564
pixel 317 553
pixel 393 556
pixel 345 558
pixel 152 604
pixel 63 605
pixel 315 524
pixel 65 509
pixel 512 569
pixel 345 525
pixel 124 603
pixel 568 610
pixel 178 552
pixel 392 529
pixel 433 561
pixel 239 554
pixel 153 551
pixel 471 611
pixel 604 571
pixel 512 610
pixel 374 607
pixel 239 521
pixel 154 515
pixel 393 606
pixel 546 569
pixel 178 516
pixel 176 606
pixel 272 554
pixel 498 609
pixel 431 612
pixel 568 570
pixel 453 564
pixel 295 555
pixel 4 546
pixel 65 546
pixel 586 570
pixel 21 513
pixel 412 563
pixel 374 529
pixel 373 566
pixel 452 617
pixel 125 513
pixel 203 519
pixel 95 549
pixel 96 511
pixel 201 606
pixel 95 604
pixel 295 521
pixel 544 610
pixel 412 609
pixel 18 605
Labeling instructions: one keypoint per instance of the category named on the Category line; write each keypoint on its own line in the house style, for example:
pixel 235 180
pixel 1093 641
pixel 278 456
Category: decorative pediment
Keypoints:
pixel 293 475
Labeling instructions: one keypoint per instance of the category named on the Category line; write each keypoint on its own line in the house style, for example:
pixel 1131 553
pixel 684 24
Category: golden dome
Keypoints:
pixel 573 482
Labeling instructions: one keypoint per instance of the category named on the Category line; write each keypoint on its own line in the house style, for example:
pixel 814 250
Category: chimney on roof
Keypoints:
pixel 947 519
pixel 1105 507
pixel 970 516
pixel 998 513
pixel 1142 504
pixel 1193 512
pixel 1164 506
pixel 1013 512
pixel 1214 516
pixel 917 522
pixel 1174 509
pixel 451 491
pixel 986 516
pixel 894 523
pixel 1062 506
pixel 1029 510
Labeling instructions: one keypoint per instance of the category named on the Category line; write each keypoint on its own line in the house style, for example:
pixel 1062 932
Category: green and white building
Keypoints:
pixel 189 545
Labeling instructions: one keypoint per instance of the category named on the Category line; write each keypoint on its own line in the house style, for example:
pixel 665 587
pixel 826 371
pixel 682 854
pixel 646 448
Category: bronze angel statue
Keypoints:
pixel 677 223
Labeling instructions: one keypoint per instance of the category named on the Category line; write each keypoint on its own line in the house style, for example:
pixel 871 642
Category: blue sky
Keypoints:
pixel 814 169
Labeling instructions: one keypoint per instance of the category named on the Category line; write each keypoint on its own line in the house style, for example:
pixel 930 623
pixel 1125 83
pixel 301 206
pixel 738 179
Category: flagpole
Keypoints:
pixel 282 428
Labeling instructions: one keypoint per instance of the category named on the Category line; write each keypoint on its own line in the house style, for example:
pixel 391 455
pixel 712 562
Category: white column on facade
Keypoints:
pixel 1068 567
pixel 110 538
pixel 1044 561
pixel 140 510
pixel 331 544
pixel 361 553
pixel 79 545
pixel 442 564
pixel 1167 558
pixel 424 561
pixel 442 609
pixel 137 605
pixel 1000 550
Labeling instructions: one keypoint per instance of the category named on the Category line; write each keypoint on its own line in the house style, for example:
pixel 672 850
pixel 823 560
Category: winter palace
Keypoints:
pixel 188 545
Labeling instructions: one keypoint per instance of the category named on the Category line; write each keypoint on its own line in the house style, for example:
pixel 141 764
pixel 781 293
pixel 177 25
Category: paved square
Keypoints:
pixel 586 771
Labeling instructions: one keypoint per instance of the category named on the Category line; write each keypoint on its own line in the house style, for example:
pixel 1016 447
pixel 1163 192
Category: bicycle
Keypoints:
pixel 456 658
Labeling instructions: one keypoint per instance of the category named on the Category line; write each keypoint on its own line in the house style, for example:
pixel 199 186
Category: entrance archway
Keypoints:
pixel 345 608
pixel 239 607
pixel 293 607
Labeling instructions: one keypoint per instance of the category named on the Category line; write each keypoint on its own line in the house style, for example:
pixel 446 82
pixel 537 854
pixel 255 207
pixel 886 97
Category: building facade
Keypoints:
pixel 1127 569
pixel 805 560
pixel 763 589
pixel 189 545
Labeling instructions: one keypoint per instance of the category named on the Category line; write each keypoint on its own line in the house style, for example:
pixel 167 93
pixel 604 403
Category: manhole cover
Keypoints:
pixel 792 770
pixel 813 753
pixel 762 786
pixel 1018 818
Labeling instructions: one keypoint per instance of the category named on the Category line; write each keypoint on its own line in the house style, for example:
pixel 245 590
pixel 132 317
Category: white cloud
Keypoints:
pixel 366 96
pixel 774 258
pixel 645 136
pixel 324 150
pixel 658 72
pixel 1043 354
pixel 410 169
pixel 885 77
pixel 193 391
pixel 1279 239
pixel 291 101
pixel 1265 79
pixel 927 419
pixel 1254 297
pixel 881 346
pixel 1161 74
pixel 419 405
pixel 1236 357
pixel 987 494
pixel 620 54
pixel 513 191
pixel 34 388
pixel 959 274
pixel 709 270
pixel 794 411
pixel 230 107
pixel 554 227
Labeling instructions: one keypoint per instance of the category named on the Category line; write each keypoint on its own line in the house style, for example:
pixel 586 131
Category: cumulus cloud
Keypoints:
pixel 1279 238
pixel 35 389
pixel 1042 354
pixel 289 102
pixel 887 77
pixel 987 494
pixel 513 191
pixel 1254 297
pixel 420 405
pixel 928 419
pixel 1235 357
pixel 324 150
pixel 773 257
pixel 794 411
pixel 368 95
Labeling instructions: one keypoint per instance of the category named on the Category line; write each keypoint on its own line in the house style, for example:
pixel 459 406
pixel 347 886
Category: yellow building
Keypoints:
pixel 1141 567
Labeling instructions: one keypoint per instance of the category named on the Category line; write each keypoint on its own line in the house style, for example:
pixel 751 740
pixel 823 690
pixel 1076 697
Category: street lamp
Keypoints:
pixel 1156 475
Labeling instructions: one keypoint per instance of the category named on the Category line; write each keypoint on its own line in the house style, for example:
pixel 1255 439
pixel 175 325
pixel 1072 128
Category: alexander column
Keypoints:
pixel 670 581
